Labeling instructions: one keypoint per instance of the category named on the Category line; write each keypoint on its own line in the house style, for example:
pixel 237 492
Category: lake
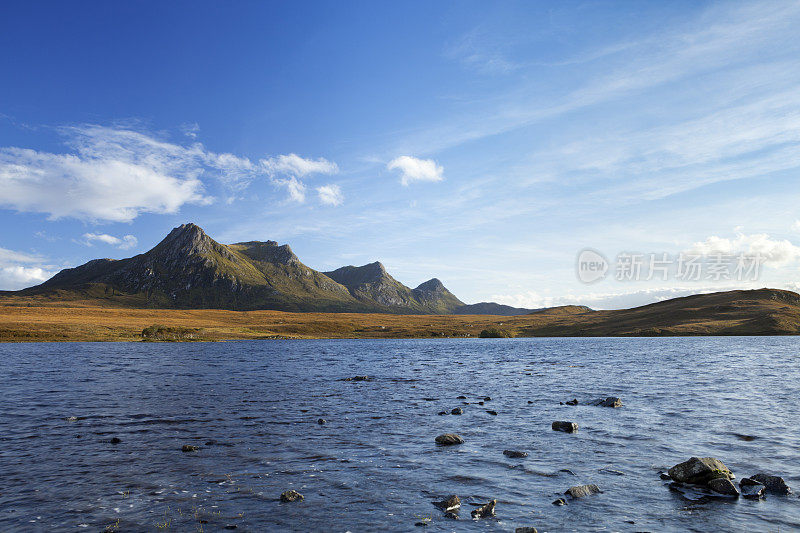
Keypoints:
pixel 253 408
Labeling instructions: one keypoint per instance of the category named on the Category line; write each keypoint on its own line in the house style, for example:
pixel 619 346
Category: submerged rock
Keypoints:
pixel 449 504
pixel 449 439
pixel 115 440
pixel 773 484
pixel 515 454
pixel 526 529
pixel 580 491
pixel 487 399
pixel 573 401
pixel 493 413
pixel 751 489
pixel 442 413
pixel 189 448
pixel 451 515
pixel 560 501
pixel 457 411
pixel 723 485
pixel 611 401
pixel 566 427
pixel 321 421
pixel 421 523
pixel 462 397
pixel 664 476
pixel 699 471
pixel 484 511
pixel 291 496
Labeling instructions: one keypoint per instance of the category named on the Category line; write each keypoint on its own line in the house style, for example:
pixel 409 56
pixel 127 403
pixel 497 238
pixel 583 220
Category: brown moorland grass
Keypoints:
pixel 758 312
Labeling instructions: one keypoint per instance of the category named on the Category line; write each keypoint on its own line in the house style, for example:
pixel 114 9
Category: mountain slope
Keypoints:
pixel 188 269
pixel 491 308
pixel 371 283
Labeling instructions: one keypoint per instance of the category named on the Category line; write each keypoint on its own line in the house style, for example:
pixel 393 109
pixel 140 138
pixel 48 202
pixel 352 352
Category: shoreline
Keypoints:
pixel 97 324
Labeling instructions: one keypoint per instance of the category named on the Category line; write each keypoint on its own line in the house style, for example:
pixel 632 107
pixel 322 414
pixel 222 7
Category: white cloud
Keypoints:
pixel 294 165
pixel 125 243
pixel 115 174
pixel 295 187
pixel 796 226
pixel 330 194
pixel 772 251
pixel 414 169
pixel 19 270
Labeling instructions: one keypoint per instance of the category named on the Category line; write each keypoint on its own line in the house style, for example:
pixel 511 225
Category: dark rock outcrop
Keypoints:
pixel 699 471
pixel 189 448
pixel 484 511
pixel 773 484
pixel 515 454
pixel 457 411
pixel 291 496
pixel 724 486
pixel 611 401
pixel 751 489
pixel 449 439
pixel 581 491
pixel 451 503
pixel 566 427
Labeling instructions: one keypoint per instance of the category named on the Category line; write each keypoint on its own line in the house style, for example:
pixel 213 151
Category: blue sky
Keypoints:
pixel 482 143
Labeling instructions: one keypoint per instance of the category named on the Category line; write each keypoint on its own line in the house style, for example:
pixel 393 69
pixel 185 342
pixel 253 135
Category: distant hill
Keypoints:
pixel 190 270
pixel 491 308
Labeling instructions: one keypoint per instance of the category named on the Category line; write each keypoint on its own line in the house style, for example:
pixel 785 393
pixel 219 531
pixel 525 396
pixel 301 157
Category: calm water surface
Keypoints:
pixel 374 465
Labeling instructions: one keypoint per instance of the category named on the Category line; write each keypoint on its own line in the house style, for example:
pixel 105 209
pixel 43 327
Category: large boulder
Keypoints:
pixel 773 484
pixel 566 427
pixel 449 439
pixel 699 471
pixel 484 511
pixel 580 491
pixel 724 486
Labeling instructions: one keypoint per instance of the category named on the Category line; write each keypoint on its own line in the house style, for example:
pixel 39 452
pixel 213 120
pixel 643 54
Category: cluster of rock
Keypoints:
pixel 710 473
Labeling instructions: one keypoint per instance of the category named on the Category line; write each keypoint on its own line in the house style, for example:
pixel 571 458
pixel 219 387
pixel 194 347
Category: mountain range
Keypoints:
pixel 190 270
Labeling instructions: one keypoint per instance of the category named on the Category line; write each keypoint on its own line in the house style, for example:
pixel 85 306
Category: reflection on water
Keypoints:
pixel 91 434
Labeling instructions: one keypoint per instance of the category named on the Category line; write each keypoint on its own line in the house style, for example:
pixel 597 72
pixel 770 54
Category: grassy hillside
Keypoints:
pixel 758 312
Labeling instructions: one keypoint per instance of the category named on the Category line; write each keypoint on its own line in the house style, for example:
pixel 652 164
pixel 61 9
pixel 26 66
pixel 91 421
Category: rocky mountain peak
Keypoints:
pixel 432 285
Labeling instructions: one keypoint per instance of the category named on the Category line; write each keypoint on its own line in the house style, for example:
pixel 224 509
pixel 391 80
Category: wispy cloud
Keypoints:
pixel 330 194
pixel 123 243
pixel 413 169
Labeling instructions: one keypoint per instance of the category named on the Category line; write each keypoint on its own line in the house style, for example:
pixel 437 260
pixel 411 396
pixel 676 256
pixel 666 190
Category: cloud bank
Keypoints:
pixel 124 243
pixel 115 174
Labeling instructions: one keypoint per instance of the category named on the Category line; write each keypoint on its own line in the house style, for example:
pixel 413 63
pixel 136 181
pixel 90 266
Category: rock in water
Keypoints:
pixel 566 427
pixel 526 530
pixel 442 413
pixel 611 401
pixel 291 496
pixel 751 489
pixel 321 421
pixel 493 413
pixel 449 504
pixel 189 448
pixel 560 501
pixel 451 515
pixel 515 454
pixel 462 397
pixel 457 411
pixel 448 439
pixel 774 484
pixel 723 485
pixel 579 491
pixel 484 511
pixel 358 378
pixel 573 401
pixel 699 471
pixel 421 524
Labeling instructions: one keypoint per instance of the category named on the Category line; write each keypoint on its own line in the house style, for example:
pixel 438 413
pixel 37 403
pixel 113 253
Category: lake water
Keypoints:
pixel 374 465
